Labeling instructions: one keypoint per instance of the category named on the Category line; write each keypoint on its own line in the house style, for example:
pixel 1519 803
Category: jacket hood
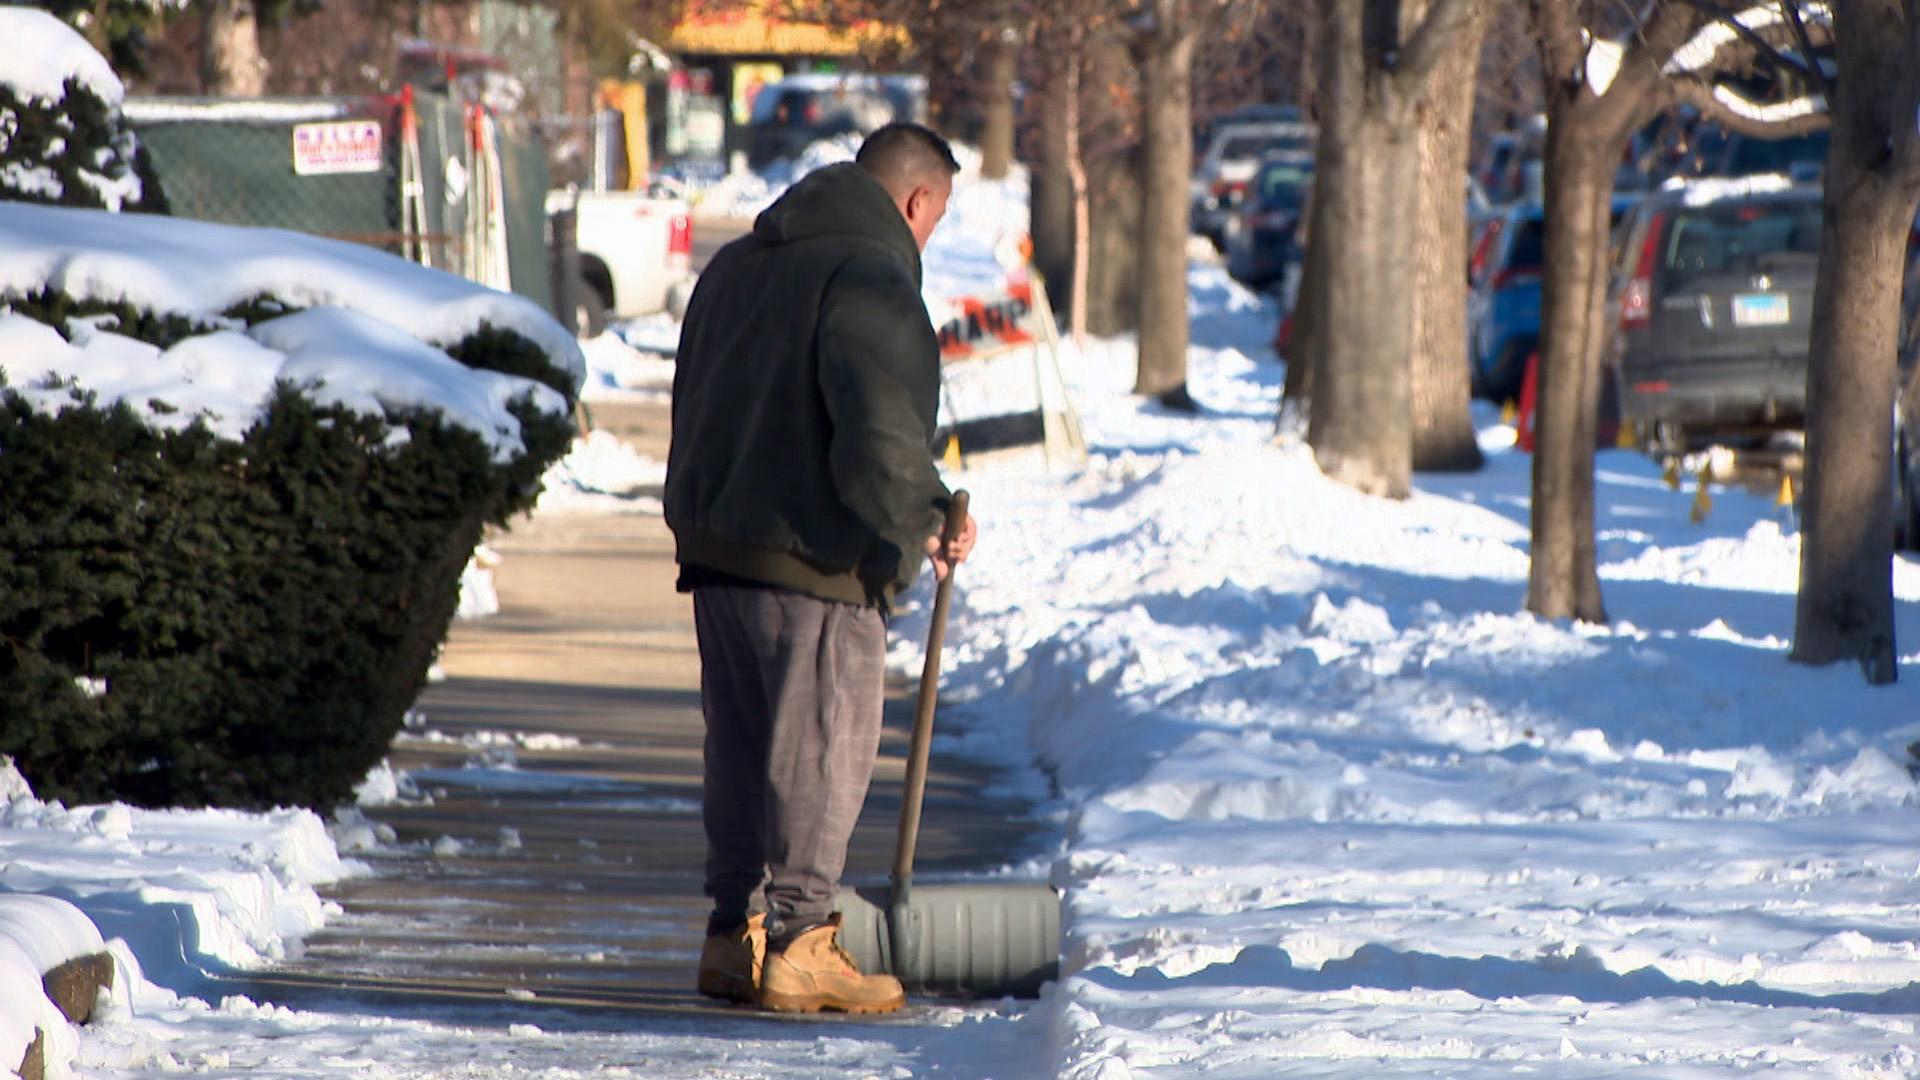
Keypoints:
pixel 839 200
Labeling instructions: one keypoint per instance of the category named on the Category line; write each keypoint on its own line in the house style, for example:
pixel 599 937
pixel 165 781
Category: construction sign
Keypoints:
pixel 1001 385
pixel 981 326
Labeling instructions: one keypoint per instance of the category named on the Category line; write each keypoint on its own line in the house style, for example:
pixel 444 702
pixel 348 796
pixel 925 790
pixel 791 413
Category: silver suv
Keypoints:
pixel 1714 286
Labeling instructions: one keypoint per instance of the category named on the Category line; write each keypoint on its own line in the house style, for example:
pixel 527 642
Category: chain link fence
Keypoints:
pixel 316 165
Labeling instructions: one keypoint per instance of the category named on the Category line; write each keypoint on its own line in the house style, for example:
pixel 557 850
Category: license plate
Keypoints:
pixel 1760 309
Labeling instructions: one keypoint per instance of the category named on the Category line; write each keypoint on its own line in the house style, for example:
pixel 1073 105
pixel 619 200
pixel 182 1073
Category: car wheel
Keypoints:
pixel 590 309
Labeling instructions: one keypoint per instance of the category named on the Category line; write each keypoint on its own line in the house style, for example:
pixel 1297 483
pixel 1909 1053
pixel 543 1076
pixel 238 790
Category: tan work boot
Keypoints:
pixel 815 973
pixel 730 964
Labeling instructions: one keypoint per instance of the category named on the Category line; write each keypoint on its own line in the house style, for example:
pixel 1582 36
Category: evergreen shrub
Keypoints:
pixel 187 620
pixel 72 152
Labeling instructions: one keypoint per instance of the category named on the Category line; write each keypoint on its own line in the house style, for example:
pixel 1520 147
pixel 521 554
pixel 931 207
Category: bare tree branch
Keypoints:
pixel 1695 92
pixel 1756 41
pixel 1562 40
pixel 1436 35
pixel 1792 10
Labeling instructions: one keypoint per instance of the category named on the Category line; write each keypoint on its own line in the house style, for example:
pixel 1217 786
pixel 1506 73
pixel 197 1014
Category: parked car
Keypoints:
pixel 636 253
pixel 1802 158
pixel 1261 243
pixel 1714 285
pixel 1503 305
pixel 1510 167
pixel 800 110
pixel 1234 149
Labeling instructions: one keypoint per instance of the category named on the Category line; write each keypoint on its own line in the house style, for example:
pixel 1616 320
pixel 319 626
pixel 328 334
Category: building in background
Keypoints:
pixel 727 53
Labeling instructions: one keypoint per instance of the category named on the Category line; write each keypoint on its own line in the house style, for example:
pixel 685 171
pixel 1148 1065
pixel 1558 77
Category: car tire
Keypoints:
pixel 590 310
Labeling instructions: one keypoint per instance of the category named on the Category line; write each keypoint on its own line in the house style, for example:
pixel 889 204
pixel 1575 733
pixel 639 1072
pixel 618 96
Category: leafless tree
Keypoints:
pixel 1608 73
pixel 1845 606
pixel 1444 439
pixel 1378 61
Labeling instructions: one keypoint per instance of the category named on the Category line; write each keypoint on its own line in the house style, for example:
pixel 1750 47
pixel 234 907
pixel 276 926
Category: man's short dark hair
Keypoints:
pixel 902 155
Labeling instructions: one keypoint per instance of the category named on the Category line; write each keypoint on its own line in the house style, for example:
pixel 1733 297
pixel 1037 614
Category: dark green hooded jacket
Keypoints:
pixel 804 401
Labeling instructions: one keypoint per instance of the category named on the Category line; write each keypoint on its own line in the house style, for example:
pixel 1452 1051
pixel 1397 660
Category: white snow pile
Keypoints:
pixel 44 54
pixel 602 474
pixel 180 898
pixel 369 340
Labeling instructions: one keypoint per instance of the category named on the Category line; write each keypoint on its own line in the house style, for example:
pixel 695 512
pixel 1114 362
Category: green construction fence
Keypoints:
pixel 233 161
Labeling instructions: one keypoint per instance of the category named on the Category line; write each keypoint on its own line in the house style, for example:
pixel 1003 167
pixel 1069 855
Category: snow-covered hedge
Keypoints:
pixel 62 139
pixel 244 471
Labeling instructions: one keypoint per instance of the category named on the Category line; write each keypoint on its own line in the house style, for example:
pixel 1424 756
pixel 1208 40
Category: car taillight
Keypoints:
pixel 1483 249
pixel 813 112
pixel 1636 305
pixel 1229 191
pixel 680 240
pixel 1636 302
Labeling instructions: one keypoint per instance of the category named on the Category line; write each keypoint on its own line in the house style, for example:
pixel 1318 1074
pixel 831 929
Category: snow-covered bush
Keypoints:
pixel 244 470
pixel 62 139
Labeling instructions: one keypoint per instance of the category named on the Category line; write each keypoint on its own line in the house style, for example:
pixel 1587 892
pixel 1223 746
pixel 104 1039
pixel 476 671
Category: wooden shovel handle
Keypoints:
pixel 916 783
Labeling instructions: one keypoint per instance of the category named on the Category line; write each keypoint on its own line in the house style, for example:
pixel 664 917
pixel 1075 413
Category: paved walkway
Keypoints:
pixel 573 875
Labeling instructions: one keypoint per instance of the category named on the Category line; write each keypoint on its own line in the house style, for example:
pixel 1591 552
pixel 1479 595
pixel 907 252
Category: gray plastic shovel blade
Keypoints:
pixel 966 940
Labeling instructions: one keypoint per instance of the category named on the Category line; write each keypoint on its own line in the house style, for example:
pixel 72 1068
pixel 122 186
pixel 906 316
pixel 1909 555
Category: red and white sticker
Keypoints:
pixel 337 146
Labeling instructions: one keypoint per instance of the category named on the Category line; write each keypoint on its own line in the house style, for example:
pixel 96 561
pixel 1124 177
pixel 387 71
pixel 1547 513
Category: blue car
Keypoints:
pixel 1503 305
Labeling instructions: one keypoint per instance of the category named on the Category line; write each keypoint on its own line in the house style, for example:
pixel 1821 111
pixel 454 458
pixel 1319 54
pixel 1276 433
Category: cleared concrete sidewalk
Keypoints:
pixel 572 877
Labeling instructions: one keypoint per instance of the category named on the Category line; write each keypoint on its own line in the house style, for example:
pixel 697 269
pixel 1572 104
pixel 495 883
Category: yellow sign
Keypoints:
pixel 748 80
pixel 748 28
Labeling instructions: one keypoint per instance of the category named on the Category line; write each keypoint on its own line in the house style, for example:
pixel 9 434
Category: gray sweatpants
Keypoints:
pixel 791 687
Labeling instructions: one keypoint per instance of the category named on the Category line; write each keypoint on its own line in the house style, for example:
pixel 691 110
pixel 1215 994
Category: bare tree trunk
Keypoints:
pixel 996 131
pixel 1309 306
pixel 1443 435
pixel 1082 201
pixel 1168 127
pixel 1361 424
pixel 1845 605
pixel 1113 247
pixel 1112 252
pixel 1564 580
pixel 1051 184
pixel 231 60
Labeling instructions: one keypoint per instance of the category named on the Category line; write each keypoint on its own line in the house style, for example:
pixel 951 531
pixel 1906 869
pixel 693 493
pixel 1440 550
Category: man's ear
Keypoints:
pixel 917 202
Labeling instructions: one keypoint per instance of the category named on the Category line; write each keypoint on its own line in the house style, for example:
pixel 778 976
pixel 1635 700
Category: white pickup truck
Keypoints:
pixel 636 253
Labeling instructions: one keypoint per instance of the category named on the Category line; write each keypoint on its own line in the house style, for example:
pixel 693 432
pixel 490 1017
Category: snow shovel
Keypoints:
pixel 972 940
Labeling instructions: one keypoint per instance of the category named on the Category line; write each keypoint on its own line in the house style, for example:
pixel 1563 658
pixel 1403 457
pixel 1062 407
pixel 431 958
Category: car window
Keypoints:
pixel 1748 156
pixel 1250 146
pixel 1527 251
pixel 1721 237
pixel 1284 188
